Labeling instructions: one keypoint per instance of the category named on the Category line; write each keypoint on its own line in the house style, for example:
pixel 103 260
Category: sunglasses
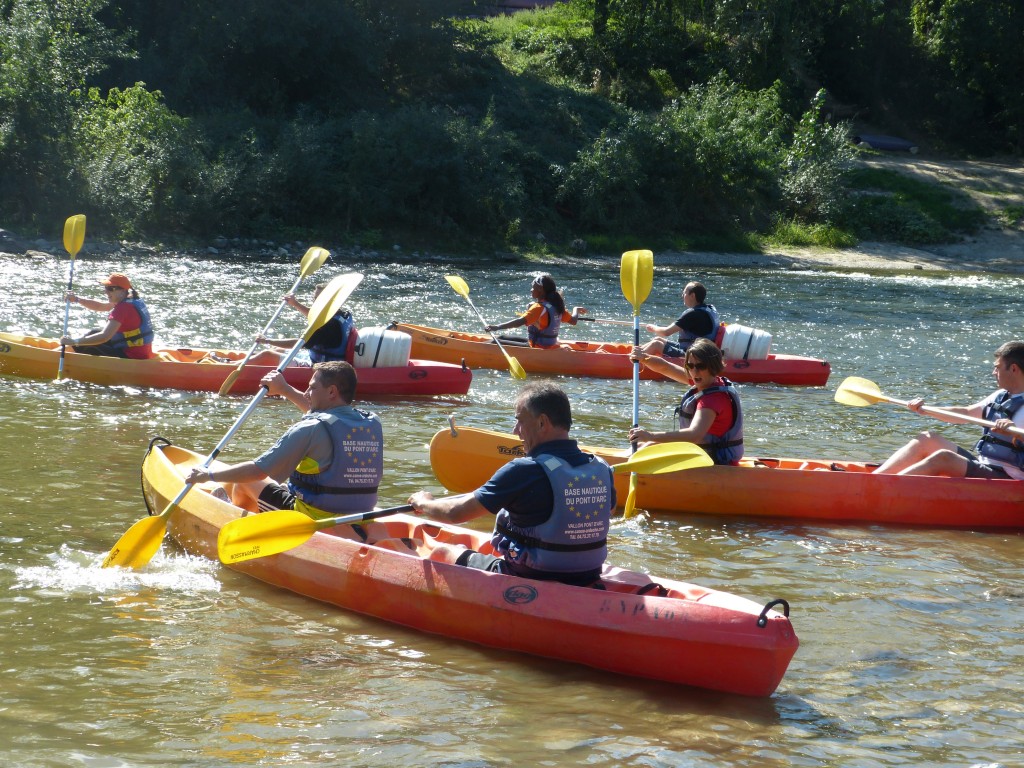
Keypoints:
pixel 109 288
pixel 696 366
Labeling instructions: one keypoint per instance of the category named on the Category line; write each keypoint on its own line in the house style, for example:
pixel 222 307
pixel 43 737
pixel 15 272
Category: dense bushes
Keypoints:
pixel 384 115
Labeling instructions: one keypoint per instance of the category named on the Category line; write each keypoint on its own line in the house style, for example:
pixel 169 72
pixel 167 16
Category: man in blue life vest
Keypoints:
pixel 331 460
pixel 1000 454
pixel 334 340
pixel 698 321
pixel 552 506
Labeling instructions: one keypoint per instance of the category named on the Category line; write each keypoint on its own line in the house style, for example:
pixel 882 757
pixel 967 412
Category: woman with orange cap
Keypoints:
pixel 129 330
pixel 544 316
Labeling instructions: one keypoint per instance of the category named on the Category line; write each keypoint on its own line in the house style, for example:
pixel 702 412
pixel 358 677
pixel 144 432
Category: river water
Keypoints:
pixel 910 652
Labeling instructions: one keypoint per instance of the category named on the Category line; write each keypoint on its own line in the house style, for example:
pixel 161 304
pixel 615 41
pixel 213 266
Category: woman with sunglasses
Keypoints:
pixel 544 316
pixel 710 414
pixel 128 332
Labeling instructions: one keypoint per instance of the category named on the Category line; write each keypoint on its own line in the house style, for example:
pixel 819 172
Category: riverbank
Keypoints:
pixel 998 248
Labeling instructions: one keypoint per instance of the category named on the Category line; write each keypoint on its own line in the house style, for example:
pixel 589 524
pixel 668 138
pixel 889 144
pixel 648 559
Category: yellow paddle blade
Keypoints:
pixel 515 367
pixel 261 535
pixel 74 234
pixel 660 458
pixel 636 273
pixel 138 544
pixel 630 509
pixel 330 300
pixel 859 392
pixel 459 285
pixel 229 382
pixel 313 260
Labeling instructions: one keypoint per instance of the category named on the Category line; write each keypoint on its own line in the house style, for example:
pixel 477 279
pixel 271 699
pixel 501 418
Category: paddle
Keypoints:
pixel 74 236
pixel 462 288
pixel 138 545
pixel 636 274
pixel 272 532
pixel 859 392
pixel 311 262
pixel 601 320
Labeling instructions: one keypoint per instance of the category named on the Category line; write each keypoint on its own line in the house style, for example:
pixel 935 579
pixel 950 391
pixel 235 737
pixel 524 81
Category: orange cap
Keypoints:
pixel 119 280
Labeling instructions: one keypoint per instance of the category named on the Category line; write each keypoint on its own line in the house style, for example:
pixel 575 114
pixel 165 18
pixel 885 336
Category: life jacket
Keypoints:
pixel 141 336
pixel 319 353
pixel 686 338
pixel 997 447
pixel 545 337
pixel 723 449
pixel 574 538
pixel 348 483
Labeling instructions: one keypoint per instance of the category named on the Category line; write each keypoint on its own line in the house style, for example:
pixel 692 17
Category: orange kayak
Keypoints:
pixel 636 625
pixel 841 491
pixel 598 360
pixel 204 370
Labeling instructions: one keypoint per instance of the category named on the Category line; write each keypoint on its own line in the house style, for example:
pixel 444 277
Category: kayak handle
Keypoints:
pixel 762 620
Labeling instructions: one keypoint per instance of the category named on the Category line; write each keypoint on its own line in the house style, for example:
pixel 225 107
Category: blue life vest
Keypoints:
pixel 349 481
pixel 723 449
pixel 686 338
pixel 140 336
pixel 320 354
pixel 546 337
pixel 997 447
pixel 574 538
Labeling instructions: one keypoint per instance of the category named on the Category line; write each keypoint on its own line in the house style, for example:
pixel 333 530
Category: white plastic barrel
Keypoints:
pixel 743 343
pixel 378 347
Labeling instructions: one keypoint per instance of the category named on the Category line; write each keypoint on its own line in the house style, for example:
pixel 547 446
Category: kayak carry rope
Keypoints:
pixel 311 262
pixel 602 320
pixel 859 392
pixel 636 274
pixel 461 287
pixel 272 532
pixel 74 236
pixel 138 545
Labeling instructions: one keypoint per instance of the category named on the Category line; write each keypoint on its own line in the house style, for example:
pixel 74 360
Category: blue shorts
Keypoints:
pixel 983 470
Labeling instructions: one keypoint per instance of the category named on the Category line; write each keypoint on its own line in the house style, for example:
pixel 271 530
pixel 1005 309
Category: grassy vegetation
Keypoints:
pixel 890 206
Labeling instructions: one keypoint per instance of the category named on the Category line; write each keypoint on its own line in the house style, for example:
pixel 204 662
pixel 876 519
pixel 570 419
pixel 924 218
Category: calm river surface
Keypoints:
pixel 911 649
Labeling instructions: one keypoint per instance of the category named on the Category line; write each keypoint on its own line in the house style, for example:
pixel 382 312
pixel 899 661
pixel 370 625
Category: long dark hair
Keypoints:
pixel 551 293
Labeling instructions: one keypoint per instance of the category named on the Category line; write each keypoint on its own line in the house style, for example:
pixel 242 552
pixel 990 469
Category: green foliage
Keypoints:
pixel 710 160
pixel 49 50
pixel 796 233
pixel 135 156
pixel 893 207
pixel 815 163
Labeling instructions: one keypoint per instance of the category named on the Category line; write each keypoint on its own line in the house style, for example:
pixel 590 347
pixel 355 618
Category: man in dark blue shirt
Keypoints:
pixel 552 507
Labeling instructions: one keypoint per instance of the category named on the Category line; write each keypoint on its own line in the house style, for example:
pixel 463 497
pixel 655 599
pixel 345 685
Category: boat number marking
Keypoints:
pixel 737 364
pixel 439 340
pixel 416 374
pixel 516 450
pixel 4 349
pixel 520 594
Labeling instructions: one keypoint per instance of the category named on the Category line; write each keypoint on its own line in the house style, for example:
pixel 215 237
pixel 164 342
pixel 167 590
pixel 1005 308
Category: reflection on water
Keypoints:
pixel 909 654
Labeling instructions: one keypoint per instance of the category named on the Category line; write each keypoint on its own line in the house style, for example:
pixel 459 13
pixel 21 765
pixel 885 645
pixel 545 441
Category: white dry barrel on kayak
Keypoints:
pixel 743 343
pixel 377 347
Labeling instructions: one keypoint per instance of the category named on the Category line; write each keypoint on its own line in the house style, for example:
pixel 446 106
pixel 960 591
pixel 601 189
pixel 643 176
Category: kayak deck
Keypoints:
pixel 674 632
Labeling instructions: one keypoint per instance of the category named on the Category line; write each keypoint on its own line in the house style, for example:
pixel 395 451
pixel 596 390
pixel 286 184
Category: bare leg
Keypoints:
pixel 654 346
pixel 447 553
pixel 914 452
pixel 246 495
pixel 941 464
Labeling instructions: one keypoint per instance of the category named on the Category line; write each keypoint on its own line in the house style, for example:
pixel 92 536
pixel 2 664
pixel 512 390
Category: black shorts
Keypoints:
pixel 980 469
pixel 674 349
pixel 276 496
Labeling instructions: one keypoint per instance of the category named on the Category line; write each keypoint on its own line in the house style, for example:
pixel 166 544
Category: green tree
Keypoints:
pixel 49 50
pixel 979 44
